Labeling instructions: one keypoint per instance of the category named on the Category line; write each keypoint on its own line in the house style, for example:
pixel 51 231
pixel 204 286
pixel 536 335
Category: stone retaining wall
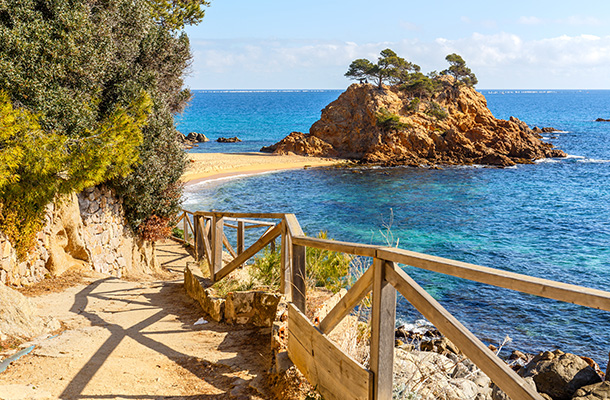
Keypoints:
pixel 88 231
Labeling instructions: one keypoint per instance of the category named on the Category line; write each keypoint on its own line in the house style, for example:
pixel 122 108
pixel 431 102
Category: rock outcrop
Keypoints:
pixel 454 126
pixel 233 139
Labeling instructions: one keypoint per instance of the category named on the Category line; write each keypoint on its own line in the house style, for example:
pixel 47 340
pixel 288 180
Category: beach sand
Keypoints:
pixel 207 166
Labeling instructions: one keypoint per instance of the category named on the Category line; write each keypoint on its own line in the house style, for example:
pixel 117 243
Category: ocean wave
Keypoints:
pixel 192 186
pixel 593 161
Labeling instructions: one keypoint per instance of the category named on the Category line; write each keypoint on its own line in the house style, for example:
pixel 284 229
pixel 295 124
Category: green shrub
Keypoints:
pixel 435 110
pixel 389 122
pixel 324 268
pixel 414 104
pixel 104 79
pixel 266 268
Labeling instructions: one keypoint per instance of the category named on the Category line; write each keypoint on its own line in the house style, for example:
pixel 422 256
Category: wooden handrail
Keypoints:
pixel 384 278
pixel 522 283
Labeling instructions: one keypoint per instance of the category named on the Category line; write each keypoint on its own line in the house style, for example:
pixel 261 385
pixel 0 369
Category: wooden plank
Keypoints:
pixel 383 325
pixel 497 370
pixel 351 299
pixel 252 221
pixel 259 226
pixel 335 374
pixel 220 214
pixel 249 252
pixel 200 250
pixel 334 245
pixel 230 226
pixel 190 225
pixel 299 277
pixel 284 262
pixel 241 237
pixel 227 244
pixel 293 225
pixel 185 232
pixel 217 238
pixel 522 283
pixel 206 243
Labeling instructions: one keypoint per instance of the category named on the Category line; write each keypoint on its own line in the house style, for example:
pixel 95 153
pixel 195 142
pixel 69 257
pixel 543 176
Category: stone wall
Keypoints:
pixel 85 231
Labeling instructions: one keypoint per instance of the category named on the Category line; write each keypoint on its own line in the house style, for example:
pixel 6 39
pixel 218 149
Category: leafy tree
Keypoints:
pixel 89 92
pixel 389 68
pixel 420 85
pixel 459 70
pixel 175 14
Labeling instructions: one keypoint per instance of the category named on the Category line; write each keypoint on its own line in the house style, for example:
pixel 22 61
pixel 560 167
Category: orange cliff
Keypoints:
pixel 469 134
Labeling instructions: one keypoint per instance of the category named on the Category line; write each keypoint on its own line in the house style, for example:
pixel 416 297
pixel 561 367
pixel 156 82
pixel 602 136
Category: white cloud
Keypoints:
pixel 530 21
pixel 500 61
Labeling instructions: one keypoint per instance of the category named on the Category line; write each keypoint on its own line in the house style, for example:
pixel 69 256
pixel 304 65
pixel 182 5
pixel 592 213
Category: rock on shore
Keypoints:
pixel 469 134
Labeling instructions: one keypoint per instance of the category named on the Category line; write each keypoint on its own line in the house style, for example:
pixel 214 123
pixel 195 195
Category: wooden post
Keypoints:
pixel 285 263
pixel 272 245
pixel 199 232
pixel 185 227
pixel 217 236
pixel 383 324
pixel 241 235
pixel 298 277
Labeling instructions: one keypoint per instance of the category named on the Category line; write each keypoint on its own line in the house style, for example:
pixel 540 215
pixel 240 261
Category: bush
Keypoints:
pixel 414 104
pixel 324 268
pixel 101 81
pixel 435 110
pixel 389 122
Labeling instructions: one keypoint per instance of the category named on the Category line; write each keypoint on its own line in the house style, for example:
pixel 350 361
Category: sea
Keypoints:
pixel 550 219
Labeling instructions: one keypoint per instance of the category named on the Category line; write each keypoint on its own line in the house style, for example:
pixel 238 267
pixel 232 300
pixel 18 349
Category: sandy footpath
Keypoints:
pixel 204 166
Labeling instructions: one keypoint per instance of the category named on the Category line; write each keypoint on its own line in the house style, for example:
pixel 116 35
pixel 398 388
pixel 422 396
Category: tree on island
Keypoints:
pixel 459 70
pixel 390 68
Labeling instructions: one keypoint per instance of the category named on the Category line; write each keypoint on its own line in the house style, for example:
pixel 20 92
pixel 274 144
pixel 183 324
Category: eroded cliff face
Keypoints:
pixel 470 134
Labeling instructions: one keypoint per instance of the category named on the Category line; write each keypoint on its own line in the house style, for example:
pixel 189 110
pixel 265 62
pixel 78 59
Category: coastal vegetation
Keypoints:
pixel 88 90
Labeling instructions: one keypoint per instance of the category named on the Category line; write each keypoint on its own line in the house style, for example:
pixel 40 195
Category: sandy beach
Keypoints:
pixel 206 166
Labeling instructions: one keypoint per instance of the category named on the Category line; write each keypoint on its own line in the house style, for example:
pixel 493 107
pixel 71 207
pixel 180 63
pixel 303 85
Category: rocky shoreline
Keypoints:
pixel 390 126
pixel 426 352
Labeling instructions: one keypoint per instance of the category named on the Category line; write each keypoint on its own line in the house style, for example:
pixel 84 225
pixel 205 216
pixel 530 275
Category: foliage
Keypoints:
pixel 389 68
pixel 459 70
pixel 155 228
pixel 176 14
pixel 103 79
pixel 39 165
pixel 435 110
pixel 327 268
pixel 414 104
pixel 324 268
pixel 421 85
pixel 266 268
pixel 389 122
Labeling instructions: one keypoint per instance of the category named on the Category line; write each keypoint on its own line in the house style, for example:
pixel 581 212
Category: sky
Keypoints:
pixel 284 44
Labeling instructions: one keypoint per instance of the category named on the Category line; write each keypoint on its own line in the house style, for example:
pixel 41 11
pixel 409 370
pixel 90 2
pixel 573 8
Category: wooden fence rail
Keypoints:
pixel 336 375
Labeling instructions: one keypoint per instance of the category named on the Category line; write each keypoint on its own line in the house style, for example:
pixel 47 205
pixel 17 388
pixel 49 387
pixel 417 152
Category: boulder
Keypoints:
pixel 256 308
pixel 234 139
pixel 597 391
pixel 349 128
pixel 559 374
pixel 18 316
pixel 195 137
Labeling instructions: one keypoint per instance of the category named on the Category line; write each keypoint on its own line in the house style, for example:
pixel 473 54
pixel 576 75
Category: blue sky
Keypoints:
pixel 309 45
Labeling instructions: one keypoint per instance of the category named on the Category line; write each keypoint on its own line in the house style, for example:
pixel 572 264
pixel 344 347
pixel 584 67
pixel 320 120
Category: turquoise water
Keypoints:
pixel 550 219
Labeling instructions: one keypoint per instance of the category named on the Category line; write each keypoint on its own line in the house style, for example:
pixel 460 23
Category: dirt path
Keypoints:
pixel 137 340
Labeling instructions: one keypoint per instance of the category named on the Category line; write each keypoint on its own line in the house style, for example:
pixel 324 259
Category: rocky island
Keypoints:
pixel 418 121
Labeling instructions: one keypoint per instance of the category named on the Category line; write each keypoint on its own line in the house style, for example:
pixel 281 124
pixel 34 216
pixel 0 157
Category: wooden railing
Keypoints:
pixel 336 375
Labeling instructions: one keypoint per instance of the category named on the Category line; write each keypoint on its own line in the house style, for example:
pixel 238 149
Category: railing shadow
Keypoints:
pixel 170 300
